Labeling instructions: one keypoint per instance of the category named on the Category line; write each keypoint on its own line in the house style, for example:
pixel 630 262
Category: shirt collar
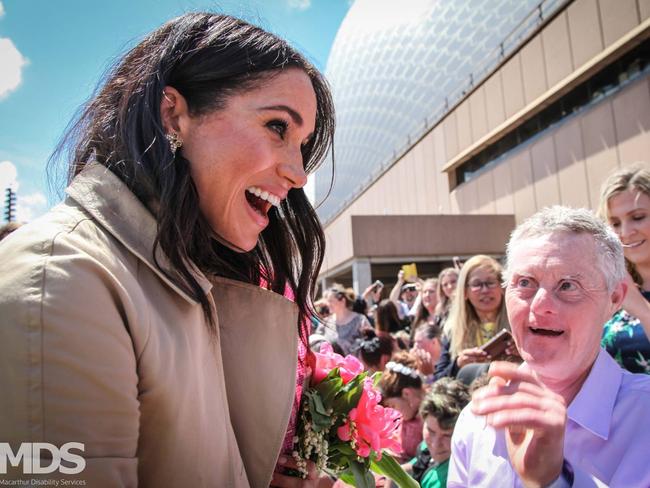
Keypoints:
pixel 108 200
pixel 593 406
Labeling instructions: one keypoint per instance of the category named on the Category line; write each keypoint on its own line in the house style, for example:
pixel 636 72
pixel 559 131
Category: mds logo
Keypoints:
pixel 29 453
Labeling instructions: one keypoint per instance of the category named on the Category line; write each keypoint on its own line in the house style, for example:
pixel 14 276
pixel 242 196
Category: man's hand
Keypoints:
pixel 534 419
pixel 423 361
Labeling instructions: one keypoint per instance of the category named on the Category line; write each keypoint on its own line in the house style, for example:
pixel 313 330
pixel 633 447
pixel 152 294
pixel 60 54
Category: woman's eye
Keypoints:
pixel 278 126
pixel 638 217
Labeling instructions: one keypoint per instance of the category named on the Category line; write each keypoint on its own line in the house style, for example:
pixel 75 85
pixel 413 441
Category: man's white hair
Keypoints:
pixel 573 221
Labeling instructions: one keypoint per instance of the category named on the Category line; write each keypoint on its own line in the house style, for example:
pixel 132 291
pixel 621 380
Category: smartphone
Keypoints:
pixel 378 285
pixel 496 347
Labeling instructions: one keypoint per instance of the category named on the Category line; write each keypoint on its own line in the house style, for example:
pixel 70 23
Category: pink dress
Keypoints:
pixel 410 437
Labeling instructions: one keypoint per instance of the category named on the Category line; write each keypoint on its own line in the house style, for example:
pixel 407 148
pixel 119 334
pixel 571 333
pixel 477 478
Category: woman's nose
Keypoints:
pixel 293 171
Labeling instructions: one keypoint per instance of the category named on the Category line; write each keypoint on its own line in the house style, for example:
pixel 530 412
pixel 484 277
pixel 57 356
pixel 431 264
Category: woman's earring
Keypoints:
pixel 175 142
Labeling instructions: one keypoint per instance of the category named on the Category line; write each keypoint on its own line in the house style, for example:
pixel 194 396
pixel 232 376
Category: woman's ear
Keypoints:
pixel 173 110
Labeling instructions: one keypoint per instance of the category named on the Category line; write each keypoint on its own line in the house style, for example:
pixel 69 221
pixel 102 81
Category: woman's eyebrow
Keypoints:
pixel 284 108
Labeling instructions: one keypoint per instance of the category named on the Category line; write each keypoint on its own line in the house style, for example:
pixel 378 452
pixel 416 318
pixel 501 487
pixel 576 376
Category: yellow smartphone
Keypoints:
pixel 410 272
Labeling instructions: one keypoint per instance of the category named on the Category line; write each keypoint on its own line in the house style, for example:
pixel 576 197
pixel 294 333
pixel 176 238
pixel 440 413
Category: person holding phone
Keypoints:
pixel 476 315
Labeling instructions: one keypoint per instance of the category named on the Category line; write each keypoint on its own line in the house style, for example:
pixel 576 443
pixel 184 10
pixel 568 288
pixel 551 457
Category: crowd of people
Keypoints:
pixel 429 336
pixel 158 315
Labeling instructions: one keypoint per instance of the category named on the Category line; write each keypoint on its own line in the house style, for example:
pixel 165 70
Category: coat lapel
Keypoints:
pixel 259 346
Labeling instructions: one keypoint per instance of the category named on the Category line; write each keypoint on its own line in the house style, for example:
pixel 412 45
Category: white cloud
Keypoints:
pixel 2 9
pixel 8 175
pixel 29 206
pixel 299 4
pixel 12 63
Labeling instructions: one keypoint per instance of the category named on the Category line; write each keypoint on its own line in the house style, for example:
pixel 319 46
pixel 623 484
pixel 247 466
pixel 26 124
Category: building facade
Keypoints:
pixel 547 112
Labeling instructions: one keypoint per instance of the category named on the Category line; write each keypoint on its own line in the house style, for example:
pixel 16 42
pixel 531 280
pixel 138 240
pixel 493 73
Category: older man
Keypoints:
pixel 569 415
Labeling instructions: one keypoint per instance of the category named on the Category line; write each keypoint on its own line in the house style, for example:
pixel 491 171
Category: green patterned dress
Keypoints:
pixel 625 340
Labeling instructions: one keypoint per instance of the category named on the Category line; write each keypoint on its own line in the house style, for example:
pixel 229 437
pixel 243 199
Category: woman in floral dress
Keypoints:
pixel 625 204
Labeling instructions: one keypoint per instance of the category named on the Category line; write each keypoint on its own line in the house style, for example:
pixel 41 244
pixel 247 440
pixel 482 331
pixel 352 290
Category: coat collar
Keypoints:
pixel 108 200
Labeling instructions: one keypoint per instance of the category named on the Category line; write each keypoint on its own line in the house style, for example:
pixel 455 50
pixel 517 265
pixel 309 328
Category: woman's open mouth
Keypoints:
pixel 261 201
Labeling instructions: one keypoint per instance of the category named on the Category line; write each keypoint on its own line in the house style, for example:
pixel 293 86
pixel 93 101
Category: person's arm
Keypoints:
pixel 636 304
pixel 446 366
pixel 68 362
pixel 394 293
pixel 459 462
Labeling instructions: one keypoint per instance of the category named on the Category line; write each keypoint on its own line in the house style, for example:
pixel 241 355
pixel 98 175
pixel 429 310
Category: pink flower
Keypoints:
pixel 326 360
pixel 371 426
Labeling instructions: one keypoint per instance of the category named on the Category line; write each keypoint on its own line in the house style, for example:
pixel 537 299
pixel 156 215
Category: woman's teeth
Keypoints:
pixel 634 244
pixel 264 195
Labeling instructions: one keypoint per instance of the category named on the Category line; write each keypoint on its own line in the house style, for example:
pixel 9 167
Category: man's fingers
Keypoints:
pixel 512 372
pixel 521 399
pixel 529 418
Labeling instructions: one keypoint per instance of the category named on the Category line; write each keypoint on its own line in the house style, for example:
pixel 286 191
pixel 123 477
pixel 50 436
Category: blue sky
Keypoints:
pixel 53 53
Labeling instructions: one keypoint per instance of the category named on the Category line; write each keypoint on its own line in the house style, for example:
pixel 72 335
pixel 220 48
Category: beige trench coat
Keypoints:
pixel 98 346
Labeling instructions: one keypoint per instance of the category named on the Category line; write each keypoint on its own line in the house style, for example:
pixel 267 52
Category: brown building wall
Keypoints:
pixel 565 164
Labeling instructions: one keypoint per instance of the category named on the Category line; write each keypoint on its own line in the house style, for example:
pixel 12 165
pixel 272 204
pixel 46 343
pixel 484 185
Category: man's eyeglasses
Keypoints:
pixel 478 285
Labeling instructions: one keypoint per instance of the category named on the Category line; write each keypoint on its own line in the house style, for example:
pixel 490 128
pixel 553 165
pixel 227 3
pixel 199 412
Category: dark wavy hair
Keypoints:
pixel 207 58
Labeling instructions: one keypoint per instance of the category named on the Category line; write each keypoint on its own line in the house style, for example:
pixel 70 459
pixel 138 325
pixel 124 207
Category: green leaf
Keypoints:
pixel 317 403
pixel 320 419
pixel 376 377
pixel 346 477
pixel 362 477
pixel 329 387
pixel 343 448
pixel 348 397
pixel 387 466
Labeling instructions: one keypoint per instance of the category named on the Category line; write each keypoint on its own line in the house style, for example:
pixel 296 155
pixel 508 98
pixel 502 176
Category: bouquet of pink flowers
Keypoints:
pixel 342 427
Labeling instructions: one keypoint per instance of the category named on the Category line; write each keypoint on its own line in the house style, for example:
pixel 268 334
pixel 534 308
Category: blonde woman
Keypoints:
pixel 625 205
pixel 447 281
pixel 477 314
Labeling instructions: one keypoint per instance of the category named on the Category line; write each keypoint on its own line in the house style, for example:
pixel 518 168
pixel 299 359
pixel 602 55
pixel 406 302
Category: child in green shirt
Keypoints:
pixel 439 410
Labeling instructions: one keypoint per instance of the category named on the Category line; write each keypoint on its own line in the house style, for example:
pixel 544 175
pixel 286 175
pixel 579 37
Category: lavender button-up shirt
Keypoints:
pixel 607 439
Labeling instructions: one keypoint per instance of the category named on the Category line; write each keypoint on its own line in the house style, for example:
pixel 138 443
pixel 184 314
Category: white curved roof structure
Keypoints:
pixel 391 68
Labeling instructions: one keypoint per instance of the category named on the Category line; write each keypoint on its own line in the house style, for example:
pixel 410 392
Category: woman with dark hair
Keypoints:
pixel 133 317
pixel 374 351
pixel 387 319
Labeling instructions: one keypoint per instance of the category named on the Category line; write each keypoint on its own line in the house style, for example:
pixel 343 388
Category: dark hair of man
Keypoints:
pixel 431 331
pixel 445 401
pixel 207 58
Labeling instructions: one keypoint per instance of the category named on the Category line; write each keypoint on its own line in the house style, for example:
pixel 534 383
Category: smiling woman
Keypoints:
pixel 625 204
pixel 133 317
